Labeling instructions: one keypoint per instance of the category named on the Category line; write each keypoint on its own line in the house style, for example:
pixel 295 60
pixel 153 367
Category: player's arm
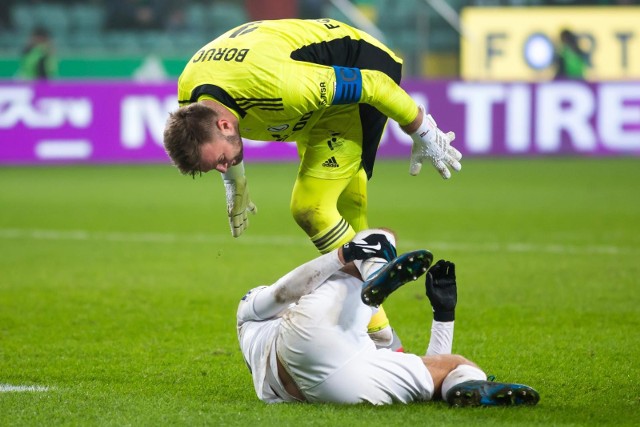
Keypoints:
pixel 239 205
pixel 270 301
pixel 379 90
pixel 442 291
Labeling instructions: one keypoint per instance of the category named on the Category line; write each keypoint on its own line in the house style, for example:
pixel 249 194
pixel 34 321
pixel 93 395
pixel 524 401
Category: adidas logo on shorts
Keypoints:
pixel 331 163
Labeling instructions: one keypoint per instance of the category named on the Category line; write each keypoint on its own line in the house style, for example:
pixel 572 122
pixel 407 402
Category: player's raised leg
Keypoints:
pixel 352 205
pixel 401 270
pixel 353 202
pixel 314 208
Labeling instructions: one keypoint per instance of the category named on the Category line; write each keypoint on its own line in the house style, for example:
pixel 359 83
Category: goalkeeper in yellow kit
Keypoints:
pixel 321 83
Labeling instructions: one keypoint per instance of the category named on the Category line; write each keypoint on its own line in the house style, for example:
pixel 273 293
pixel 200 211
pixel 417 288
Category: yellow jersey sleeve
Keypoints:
pixel 390 99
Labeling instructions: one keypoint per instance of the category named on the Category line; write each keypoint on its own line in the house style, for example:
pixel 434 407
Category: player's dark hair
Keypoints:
pixel 186 130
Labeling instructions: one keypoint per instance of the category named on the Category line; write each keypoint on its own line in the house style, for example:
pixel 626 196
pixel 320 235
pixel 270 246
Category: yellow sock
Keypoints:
pixel 333 237
pixel 378 321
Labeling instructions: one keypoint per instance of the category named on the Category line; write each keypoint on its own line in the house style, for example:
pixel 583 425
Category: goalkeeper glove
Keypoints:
pixel 372 246
pixel 431 143
pixel 238 202
pixel 442 290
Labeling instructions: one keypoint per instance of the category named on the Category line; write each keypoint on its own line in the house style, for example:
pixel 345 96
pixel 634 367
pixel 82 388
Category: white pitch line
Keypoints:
pixel 128 237
pixel 8 388
pixel 281 240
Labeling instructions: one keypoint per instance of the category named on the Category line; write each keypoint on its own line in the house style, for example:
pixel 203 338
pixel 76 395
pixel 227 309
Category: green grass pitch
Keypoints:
pixel 119 285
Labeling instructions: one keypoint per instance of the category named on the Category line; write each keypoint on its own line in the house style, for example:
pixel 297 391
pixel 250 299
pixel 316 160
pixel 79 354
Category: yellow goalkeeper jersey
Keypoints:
pixel 279 76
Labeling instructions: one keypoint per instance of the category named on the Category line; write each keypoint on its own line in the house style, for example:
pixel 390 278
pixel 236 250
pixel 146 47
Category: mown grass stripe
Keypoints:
pixel 142 237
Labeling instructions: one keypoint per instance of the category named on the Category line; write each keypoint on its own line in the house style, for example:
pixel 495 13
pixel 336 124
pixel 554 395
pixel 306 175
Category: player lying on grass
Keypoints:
pixel 304 338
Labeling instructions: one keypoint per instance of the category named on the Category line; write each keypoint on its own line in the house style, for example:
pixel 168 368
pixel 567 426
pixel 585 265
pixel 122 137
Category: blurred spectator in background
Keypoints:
pixel 271 9
pixel 5 14
pixel 136 14
pixel 176 19
pixel 311 9
pixel 38 61
pixel 571 60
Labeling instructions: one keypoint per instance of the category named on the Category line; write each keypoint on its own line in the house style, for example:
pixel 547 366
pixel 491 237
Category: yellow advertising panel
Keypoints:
pixel 520 43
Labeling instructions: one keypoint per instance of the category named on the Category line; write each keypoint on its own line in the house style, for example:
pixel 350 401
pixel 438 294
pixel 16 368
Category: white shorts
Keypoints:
pixel 323 343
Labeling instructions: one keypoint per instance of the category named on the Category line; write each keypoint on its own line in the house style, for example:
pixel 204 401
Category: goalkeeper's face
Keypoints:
pixel 221 153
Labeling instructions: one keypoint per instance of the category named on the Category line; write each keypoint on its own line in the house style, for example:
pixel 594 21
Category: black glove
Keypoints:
pixel 372 246
pixel 442 290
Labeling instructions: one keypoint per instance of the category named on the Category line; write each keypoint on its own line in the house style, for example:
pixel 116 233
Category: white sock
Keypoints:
pixel 369 267
pixel 441 340
pixel 382 338
pixel 459 375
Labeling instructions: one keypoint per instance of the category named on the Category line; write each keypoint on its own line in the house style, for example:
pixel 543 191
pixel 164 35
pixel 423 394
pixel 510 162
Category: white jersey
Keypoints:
pixel 323 343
